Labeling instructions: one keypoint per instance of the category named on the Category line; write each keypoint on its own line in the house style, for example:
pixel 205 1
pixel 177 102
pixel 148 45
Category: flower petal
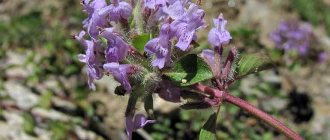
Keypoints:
pixel 185 40
pixel 140 121
pixel 120 73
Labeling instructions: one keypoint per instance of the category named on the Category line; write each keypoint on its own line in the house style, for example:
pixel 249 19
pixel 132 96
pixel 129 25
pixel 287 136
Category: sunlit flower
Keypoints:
pixel 117 10
pixel 94 19
pixel 186 26
pixel 160 47
pixel 91 58
pixel 117 47
pixel 120 72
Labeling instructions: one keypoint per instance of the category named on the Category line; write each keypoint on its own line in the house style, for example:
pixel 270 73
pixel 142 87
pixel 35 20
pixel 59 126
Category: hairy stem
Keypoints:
pixel 251 109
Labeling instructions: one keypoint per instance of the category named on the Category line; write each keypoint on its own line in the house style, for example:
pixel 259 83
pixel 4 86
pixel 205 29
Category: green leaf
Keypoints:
pixel 60 130
pixel 189 70
pixel 208 130
pixel 149 104
pixel 252 63
pixel 29 124
pixel 46 100
pixel 140 41
pixel 275 54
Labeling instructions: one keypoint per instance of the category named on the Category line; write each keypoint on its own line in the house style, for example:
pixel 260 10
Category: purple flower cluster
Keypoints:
pixel 109 59
pixel 180 23
pixel 292 35
pixel 98 59
pixel 176 22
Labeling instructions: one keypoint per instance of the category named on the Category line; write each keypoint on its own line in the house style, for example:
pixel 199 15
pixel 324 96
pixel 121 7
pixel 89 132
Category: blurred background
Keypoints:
pixel 44 93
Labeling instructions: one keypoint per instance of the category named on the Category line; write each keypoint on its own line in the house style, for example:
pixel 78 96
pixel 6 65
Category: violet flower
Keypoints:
pixel 292 35
pixel 152 4
pixel 186 26
pixel 117 10
pixel 90 7
pixel 91 58
pixel 155 11
pixel 132 124
pixel 208 56
pixel 219 36
pixel 323 56
pixel 120 72
pixel 94 19
pixel 160 47
pixel 175 10
pixel 117 47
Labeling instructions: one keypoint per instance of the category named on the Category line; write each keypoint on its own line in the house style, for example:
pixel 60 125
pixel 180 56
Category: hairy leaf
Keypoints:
pixel 208 130
pixel 189 70
pixel 252 63
pixel 140 41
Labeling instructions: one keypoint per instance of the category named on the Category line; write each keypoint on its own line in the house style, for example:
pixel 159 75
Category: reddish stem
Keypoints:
pixel 263 116
pixel 251 109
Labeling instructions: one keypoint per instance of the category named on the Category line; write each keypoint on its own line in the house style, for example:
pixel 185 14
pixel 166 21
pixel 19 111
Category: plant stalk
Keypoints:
pixel 262 115
pixel 226 97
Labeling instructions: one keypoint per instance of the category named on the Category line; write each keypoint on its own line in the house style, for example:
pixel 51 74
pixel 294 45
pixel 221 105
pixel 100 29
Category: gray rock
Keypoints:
pixel 24 97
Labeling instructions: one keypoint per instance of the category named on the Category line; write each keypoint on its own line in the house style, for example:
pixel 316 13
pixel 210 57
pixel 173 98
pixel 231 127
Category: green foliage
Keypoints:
pixel 46 100
pixel 179 124
pixel 327 19
pixel 22 29
pixel 29 124
pixel 315 11
pixel 88 108
pixel 1 112
pixel 208 130
pixel 189 70
pixel 243 34
pixel 275 54
pixel 60 130
pixel 309 10
pixel 140 41
pixel 252 63
pixel 162 129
